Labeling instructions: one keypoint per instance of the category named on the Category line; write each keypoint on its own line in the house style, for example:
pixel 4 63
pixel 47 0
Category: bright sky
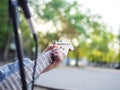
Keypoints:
pixel 108 9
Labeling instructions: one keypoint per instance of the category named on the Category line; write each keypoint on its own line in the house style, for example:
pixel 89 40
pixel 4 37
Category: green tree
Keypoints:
pixel 118 55
pixel 5 29
pixel 28 46
pixel 71 23
pixel 86 31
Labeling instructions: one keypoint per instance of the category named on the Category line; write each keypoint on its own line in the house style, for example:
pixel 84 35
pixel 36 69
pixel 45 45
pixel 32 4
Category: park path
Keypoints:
pixel 81 79
pixel 71 78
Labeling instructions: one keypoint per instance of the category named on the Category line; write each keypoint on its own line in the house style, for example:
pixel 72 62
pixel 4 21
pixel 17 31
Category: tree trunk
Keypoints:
pixel 7 40
pixel 7 45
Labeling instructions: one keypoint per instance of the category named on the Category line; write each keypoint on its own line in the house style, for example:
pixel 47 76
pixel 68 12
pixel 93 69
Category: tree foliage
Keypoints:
pixel 88 32
pixel 5 28
pixel 78 26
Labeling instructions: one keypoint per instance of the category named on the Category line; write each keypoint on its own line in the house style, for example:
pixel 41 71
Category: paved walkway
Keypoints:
pixel 81 79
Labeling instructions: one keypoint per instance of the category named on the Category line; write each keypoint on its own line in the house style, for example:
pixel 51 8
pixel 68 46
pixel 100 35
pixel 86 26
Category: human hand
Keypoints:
pixel 57 57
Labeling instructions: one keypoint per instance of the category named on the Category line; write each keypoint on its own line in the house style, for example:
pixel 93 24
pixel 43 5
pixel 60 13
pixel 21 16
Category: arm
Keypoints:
pixel 11 68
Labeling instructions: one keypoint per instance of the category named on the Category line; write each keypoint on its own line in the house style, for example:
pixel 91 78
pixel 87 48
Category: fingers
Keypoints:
pixel 50 48
pixel 57 51
pixel 57 55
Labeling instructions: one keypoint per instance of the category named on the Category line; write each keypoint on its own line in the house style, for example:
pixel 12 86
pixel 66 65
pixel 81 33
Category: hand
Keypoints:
pixel 57 57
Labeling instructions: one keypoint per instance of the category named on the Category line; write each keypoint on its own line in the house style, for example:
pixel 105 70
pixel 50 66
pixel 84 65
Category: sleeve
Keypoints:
pixel 10 68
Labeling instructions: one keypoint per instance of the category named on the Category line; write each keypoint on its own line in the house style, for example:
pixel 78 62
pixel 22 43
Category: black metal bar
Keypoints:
pixel 24 5
pixel 13 10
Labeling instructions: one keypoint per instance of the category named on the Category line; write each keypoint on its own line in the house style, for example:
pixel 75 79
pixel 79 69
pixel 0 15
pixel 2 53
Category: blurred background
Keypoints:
pixel 92 26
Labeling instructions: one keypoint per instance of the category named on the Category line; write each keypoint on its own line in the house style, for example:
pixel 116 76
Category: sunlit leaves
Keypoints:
pixel 79 26
pixel 4 26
